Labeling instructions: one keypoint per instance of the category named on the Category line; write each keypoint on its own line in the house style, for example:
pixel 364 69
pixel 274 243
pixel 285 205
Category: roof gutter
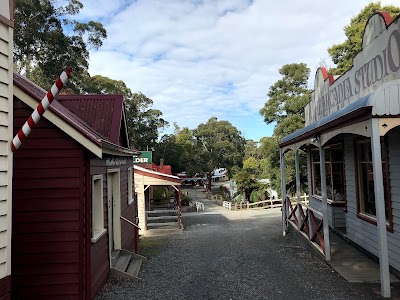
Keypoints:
pixel 112 149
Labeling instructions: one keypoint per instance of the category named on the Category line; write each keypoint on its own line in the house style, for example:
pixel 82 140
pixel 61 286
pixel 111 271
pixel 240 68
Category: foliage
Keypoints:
pixel 216 144
pixel 185 200
pixel 246 183
pixel 47 39
pixel 251 150
pixel 143 122
pixel 342 54
pixel 287 99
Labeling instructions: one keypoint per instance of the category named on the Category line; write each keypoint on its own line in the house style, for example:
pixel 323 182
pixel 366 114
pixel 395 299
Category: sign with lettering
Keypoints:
pixel 115 162
pixel 146 157
pixel 377 63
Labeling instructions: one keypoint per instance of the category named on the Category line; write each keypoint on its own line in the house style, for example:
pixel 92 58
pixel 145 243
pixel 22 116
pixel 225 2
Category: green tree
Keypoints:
pixel 246 183
pixel 47 39
pixel 251 150
pixel 143 122
pixel 285 106
pixel 342 54
pixel 217 144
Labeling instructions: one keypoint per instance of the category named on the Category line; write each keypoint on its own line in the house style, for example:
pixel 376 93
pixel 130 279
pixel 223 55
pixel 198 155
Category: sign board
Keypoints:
pixel 377 63
pixel 146 157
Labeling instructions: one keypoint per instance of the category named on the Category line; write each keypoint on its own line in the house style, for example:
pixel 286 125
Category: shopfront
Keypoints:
pixel 352 143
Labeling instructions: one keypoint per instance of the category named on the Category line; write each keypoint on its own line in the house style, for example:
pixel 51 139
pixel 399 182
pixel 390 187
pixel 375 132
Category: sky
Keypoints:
pixel 198 59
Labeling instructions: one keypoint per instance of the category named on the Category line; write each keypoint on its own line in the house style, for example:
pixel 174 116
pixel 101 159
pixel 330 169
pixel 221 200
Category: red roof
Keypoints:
pixel 103 112
pixel 165 169
pixel 86 124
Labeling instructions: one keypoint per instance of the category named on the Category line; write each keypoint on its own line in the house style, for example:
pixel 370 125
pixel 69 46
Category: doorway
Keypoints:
pixel 114 209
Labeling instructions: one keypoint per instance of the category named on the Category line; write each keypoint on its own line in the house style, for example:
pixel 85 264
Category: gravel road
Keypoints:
pixel 232 255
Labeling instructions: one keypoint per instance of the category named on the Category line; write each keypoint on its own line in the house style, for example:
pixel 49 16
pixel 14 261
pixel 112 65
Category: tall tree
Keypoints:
pixel 47 39
pixel 144 122
pixel 285 106
pixel 342 54
pixel 217 144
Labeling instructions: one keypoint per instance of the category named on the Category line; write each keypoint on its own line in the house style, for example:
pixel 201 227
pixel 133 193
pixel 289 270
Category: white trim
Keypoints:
pixel 327 245
pixel 114 186
pixel 97 208
pixel 380 208
pixel 58 122
pixel 131 198
pixel 154 172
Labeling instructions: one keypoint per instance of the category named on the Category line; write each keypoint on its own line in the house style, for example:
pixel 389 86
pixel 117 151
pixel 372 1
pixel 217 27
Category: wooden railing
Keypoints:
pixel 307 221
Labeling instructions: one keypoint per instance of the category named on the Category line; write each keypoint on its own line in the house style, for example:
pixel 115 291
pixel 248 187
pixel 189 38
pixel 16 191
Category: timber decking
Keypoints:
pixel 352 264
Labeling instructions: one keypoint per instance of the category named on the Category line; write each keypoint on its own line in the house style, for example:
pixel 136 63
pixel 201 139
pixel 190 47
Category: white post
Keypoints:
pixel 283 184
pixel 298 187
pixel 380 208
pixel 327 244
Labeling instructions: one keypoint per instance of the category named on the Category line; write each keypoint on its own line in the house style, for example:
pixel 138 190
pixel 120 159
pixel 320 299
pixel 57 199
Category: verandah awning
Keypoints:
pixel 341 116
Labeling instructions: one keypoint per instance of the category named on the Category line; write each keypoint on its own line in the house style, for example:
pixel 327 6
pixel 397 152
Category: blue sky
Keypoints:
pixel 202 58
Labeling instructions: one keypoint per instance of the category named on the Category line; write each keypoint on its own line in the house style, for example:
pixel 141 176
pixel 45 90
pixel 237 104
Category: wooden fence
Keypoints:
pixel 269 203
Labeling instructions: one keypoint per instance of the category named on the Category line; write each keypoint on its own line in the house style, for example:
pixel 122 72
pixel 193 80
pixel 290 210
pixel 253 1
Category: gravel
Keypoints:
pixel 232 255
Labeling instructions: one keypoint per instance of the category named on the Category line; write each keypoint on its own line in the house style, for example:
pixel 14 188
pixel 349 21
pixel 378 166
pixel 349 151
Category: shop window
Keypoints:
pixel 365 174
pixel 334 168
pixel 97 208
pixel 131 198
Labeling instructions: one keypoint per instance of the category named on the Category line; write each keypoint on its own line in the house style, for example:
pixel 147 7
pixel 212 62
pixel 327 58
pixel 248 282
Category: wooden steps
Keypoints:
pixel 126 264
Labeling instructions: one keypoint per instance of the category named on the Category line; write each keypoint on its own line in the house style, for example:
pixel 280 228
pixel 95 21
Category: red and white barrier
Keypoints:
pixel 39 111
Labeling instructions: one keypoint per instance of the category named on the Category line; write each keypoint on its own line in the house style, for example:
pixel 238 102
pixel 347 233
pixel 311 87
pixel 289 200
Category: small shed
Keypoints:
pixel 74 212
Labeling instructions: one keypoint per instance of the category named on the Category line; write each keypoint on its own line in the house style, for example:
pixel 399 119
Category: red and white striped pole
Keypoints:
pixel 40 109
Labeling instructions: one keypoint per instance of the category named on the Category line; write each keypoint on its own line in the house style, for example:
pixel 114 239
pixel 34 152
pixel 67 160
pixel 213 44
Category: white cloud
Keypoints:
pixel 203 58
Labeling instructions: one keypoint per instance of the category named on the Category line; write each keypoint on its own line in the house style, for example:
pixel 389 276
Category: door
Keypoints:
pixel 114 209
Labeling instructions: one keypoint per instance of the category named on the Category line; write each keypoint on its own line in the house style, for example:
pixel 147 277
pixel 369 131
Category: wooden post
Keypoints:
pixel 298 187
pixel 283 185
pixel 380 208
pixel 327 246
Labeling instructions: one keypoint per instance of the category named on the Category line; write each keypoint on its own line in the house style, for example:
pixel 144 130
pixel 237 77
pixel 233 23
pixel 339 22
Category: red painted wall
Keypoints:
pixel 100 250
pixel 5 288
pixel 48 199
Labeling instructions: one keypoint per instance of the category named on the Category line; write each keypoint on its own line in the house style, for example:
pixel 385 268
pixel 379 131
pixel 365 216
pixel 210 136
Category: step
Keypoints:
pixel 162 211
pixel 134 267
pixel 162 219
pixel 123 262
pixel 163 225
pixel 161 205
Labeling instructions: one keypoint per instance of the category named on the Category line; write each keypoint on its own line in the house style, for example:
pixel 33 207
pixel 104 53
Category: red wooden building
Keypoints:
pixel 74 214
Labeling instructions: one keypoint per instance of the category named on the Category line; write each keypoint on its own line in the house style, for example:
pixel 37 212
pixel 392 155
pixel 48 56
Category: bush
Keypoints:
pixel 185 200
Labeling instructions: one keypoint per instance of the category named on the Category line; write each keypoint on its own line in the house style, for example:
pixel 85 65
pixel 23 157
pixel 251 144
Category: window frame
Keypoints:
pixel 97 219
pixel 131 197
pixel 386 175
pixel 329 167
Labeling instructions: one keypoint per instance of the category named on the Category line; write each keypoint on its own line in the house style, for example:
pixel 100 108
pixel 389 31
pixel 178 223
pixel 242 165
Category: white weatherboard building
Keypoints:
pixel 352 142
pixel 6 130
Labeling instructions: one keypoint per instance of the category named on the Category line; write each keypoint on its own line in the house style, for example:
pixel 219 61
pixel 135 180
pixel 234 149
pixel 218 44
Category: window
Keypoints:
pixel 131 198
pixel 97 208
pixel 334 168
pixel 365 173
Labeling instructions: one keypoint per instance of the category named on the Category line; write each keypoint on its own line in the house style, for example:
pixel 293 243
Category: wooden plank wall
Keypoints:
pixel 48 198
pixel 6 91
pixel 99 251
pixel 364 233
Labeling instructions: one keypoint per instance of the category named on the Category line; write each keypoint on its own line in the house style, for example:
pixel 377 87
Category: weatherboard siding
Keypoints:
pixel 364 233
pixel 48 198
pixel 6 116
pixel 100 268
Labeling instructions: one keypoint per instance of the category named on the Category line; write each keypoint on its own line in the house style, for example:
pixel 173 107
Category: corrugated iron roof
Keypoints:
pixel 79 122
pixel 359 104
pixel 57 108
pixel 102 112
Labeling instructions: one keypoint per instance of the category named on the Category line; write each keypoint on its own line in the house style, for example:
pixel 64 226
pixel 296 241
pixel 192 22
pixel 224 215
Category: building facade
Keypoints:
pixel 6 116
pixel 352 143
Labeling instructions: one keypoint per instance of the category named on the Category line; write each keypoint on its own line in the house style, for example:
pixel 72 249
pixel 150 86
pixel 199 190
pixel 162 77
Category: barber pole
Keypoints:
pixel 39 111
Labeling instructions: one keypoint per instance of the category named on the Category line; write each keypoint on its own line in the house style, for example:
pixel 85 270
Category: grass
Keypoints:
pixel 150 246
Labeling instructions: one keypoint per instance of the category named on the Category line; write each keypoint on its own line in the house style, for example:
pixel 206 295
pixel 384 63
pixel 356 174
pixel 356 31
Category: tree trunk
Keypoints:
pixel 209 177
